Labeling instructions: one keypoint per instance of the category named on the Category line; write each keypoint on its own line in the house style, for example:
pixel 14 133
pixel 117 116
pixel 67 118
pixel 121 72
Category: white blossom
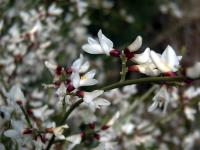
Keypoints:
pixel 102 46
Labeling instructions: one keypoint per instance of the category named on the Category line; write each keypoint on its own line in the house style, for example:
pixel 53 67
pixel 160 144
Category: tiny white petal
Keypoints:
pixel 135 45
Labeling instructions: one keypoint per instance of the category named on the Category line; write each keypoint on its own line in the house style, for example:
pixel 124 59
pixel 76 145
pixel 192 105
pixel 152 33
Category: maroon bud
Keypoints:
pixel 82 134
pixel 27 131
pixel 91 126
pixel 133 68
pixel 80 93
pixel 70 88
pixel 97 136
pixel 19 102
pixel 128 54
pixel 115 53
pixel 29 111
pixel 68 70
pixel 57 83
pixel 58 70
pixel 170 74
pixel 104 127
pixel 188 81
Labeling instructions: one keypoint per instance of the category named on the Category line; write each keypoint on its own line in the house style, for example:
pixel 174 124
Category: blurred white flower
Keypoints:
pixel 194 71
pixel 58 131
pixel 160 100
pixel 190 113
pixel 93 100
pixel 54 10
pixel 16 94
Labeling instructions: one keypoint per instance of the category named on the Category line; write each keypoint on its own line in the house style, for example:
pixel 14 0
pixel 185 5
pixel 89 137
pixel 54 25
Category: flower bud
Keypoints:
pixel 58 70
pixel 115 53
pixel 128 53
pixel 80 93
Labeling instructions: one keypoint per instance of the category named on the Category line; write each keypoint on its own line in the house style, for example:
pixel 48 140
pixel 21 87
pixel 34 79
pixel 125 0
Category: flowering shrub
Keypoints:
pixel 47 104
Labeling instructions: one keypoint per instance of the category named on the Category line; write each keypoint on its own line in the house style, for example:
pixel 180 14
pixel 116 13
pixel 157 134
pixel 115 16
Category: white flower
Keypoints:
pixel 161 100
pixel 53 10
pixel 16 94
pixel 167 62
pixel 93 101
pixel 194 71
pixel 135 45
pixel 143 57
pixel 16 132
pixel 102 46
pixel 84 80
pixel 190 113
pixel 79 65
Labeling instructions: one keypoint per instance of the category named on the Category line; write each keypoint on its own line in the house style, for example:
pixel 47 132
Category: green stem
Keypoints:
pixel 26 116
pixel 144 80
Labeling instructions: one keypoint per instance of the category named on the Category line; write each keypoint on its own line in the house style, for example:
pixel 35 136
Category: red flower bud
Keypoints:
pixel 19 102
pixel 170 74
pixel 70 87
pixel 68 70
pixel 29 111
pixel 133 68
pixel 97 136
pixel 27 131
pixel 128 54
pixel 80 93
pixel 91 125
pixel 115 53
pixel 104 127
pixel 58 70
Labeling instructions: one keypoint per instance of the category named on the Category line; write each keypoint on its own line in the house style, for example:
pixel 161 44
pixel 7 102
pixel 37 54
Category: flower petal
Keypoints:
pixel 106 44
pixel 135 45
pixel 156 59
pixel 75 77
pixel 90 96
pixel 143 57
pixel 170 58
pixel 92 48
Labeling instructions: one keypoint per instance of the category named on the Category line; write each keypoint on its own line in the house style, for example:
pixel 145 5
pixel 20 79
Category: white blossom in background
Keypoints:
pixel 194 71
pixel 160 100
pixel 93 100
pixel 16 93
